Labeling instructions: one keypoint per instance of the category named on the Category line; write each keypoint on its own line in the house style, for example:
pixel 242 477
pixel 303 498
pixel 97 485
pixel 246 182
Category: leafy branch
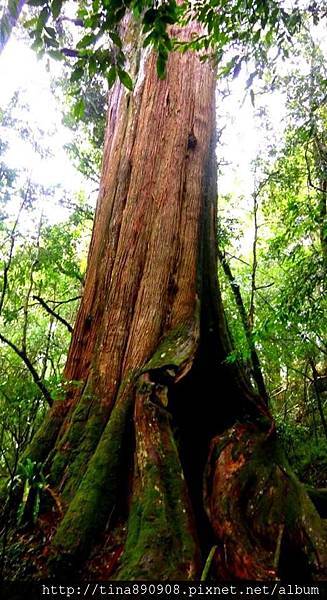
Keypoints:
pixel 52 312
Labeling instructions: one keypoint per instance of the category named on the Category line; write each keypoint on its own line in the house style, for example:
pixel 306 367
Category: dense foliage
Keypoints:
pixel 42 267
pixel 282 277
pixel 230 32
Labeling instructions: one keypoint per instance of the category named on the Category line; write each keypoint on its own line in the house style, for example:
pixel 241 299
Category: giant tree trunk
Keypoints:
pixel 147 384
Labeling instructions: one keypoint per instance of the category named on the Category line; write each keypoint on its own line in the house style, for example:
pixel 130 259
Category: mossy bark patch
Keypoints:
pixel 96 496
pixel 77 445
pixel 161 536
pixel 178 346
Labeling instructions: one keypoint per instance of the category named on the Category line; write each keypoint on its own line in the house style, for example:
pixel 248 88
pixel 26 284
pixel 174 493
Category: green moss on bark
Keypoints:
pixel 78 440
pixel 161 537
pixel 44 439
pixel 96 496
pixel 177 347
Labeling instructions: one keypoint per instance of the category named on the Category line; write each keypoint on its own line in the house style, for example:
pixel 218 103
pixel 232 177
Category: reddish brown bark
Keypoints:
pixel 141 279
pixel 259 511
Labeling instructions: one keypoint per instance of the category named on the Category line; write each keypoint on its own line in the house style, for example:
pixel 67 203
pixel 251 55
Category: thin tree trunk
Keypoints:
pixel 256 367
pixel 318 397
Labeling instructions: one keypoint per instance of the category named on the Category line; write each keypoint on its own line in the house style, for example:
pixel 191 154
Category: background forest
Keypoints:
pixel 272 248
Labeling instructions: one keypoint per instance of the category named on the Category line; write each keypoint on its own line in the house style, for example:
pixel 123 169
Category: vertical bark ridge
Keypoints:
pixel 141 300
pixel 161 535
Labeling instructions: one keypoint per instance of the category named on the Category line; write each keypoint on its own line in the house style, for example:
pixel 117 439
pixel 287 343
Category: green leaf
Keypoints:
pixel 120 13
pixel 51 32
pixel 125 79
pixel 111 76
pixel 150 16
pixel 36 2
pixel 56 54
pixel 77 74
pixel 36 506
pixel 43 17
pixel 148 40
pixel 87 40
pixel 161 66
pixel 37 44
pixel 79 109
pixel 56 6
pixel 115 38
pixel 92 66
pixel 50 42
pixel 256 36
pixel 30 23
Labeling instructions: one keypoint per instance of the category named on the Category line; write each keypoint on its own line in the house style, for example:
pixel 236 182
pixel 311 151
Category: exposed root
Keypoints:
pixel 161 537
pixel 259 510
pixel 96 496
